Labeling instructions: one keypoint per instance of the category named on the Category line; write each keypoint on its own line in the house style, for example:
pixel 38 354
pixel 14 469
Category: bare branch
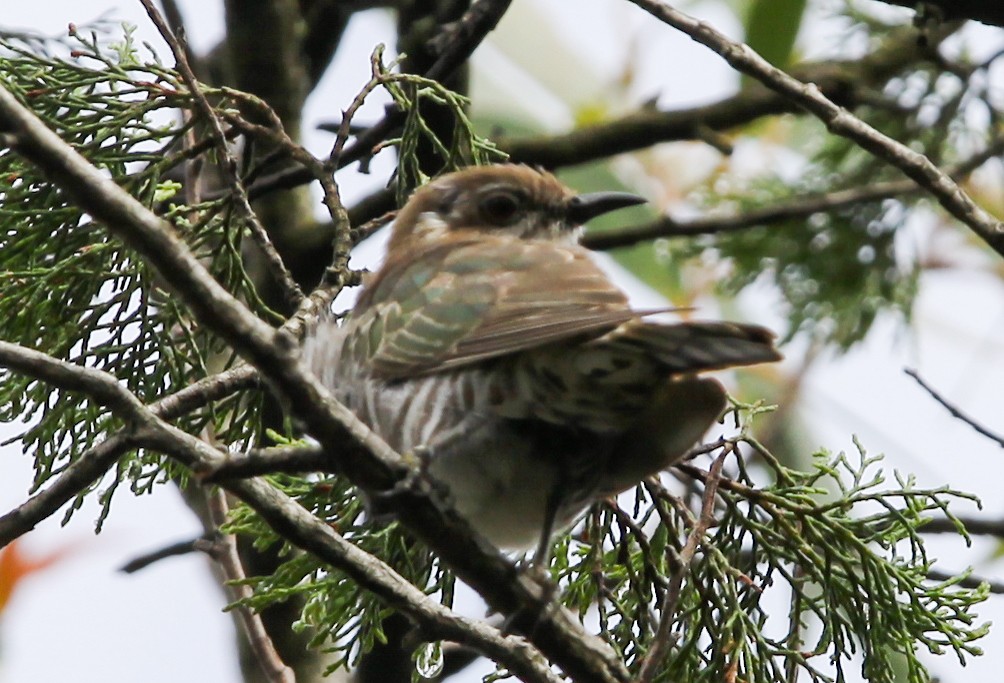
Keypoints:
pixel 956 413
pixel 799 207
pixel 101 387
pixel 173 550
pixel 839 121
pixel 845 82
pixel 345 126
pixel 223 549
pixel 290 459
pixel 371 226
pixel 973 525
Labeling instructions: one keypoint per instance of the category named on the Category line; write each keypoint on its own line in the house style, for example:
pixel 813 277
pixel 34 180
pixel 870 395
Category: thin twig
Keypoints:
pixel 976 526
pixel 259 461
pixel 337 274
pixel 798 207
pixel 955 412
pixel 371 226
pixel 663 637
pixel 839 121
pixel 175 19
pixel 173 550
pixel 345 126
pixel 290 289
pixel 225 554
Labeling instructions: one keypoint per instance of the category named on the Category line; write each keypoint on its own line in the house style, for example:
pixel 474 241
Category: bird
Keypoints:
pixel 492 345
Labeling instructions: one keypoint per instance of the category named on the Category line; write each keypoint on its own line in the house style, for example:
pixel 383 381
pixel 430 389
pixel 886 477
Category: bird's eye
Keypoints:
pixel 501 208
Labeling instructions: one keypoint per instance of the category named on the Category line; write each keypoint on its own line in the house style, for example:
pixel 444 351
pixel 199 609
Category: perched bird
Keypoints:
pixel 491 343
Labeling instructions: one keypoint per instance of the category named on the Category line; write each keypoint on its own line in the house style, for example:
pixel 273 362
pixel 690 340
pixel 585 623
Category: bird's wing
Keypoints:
pixel 470 300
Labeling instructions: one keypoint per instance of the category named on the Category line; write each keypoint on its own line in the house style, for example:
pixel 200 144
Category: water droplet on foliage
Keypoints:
pixel 429 660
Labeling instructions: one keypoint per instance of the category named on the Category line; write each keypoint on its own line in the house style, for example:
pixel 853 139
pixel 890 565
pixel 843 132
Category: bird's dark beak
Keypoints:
pixel 585 207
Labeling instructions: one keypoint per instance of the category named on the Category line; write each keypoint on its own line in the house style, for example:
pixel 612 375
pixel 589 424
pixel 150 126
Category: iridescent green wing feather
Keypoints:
pixel 470 300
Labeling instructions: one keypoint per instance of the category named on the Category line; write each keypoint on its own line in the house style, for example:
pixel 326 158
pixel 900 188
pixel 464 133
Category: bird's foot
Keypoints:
pixel 525 619
pixel 537 568
pixel 416 481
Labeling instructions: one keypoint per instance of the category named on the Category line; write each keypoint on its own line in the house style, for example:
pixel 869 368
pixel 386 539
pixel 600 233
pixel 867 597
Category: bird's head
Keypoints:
pixel 506 199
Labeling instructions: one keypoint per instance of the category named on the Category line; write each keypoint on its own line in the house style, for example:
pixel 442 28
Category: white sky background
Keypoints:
pixel 83 621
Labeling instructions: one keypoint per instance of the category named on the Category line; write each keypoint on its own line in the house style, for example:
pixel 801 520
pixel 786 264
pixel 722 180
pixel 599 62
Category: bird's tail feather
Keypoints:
pixel 696 346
